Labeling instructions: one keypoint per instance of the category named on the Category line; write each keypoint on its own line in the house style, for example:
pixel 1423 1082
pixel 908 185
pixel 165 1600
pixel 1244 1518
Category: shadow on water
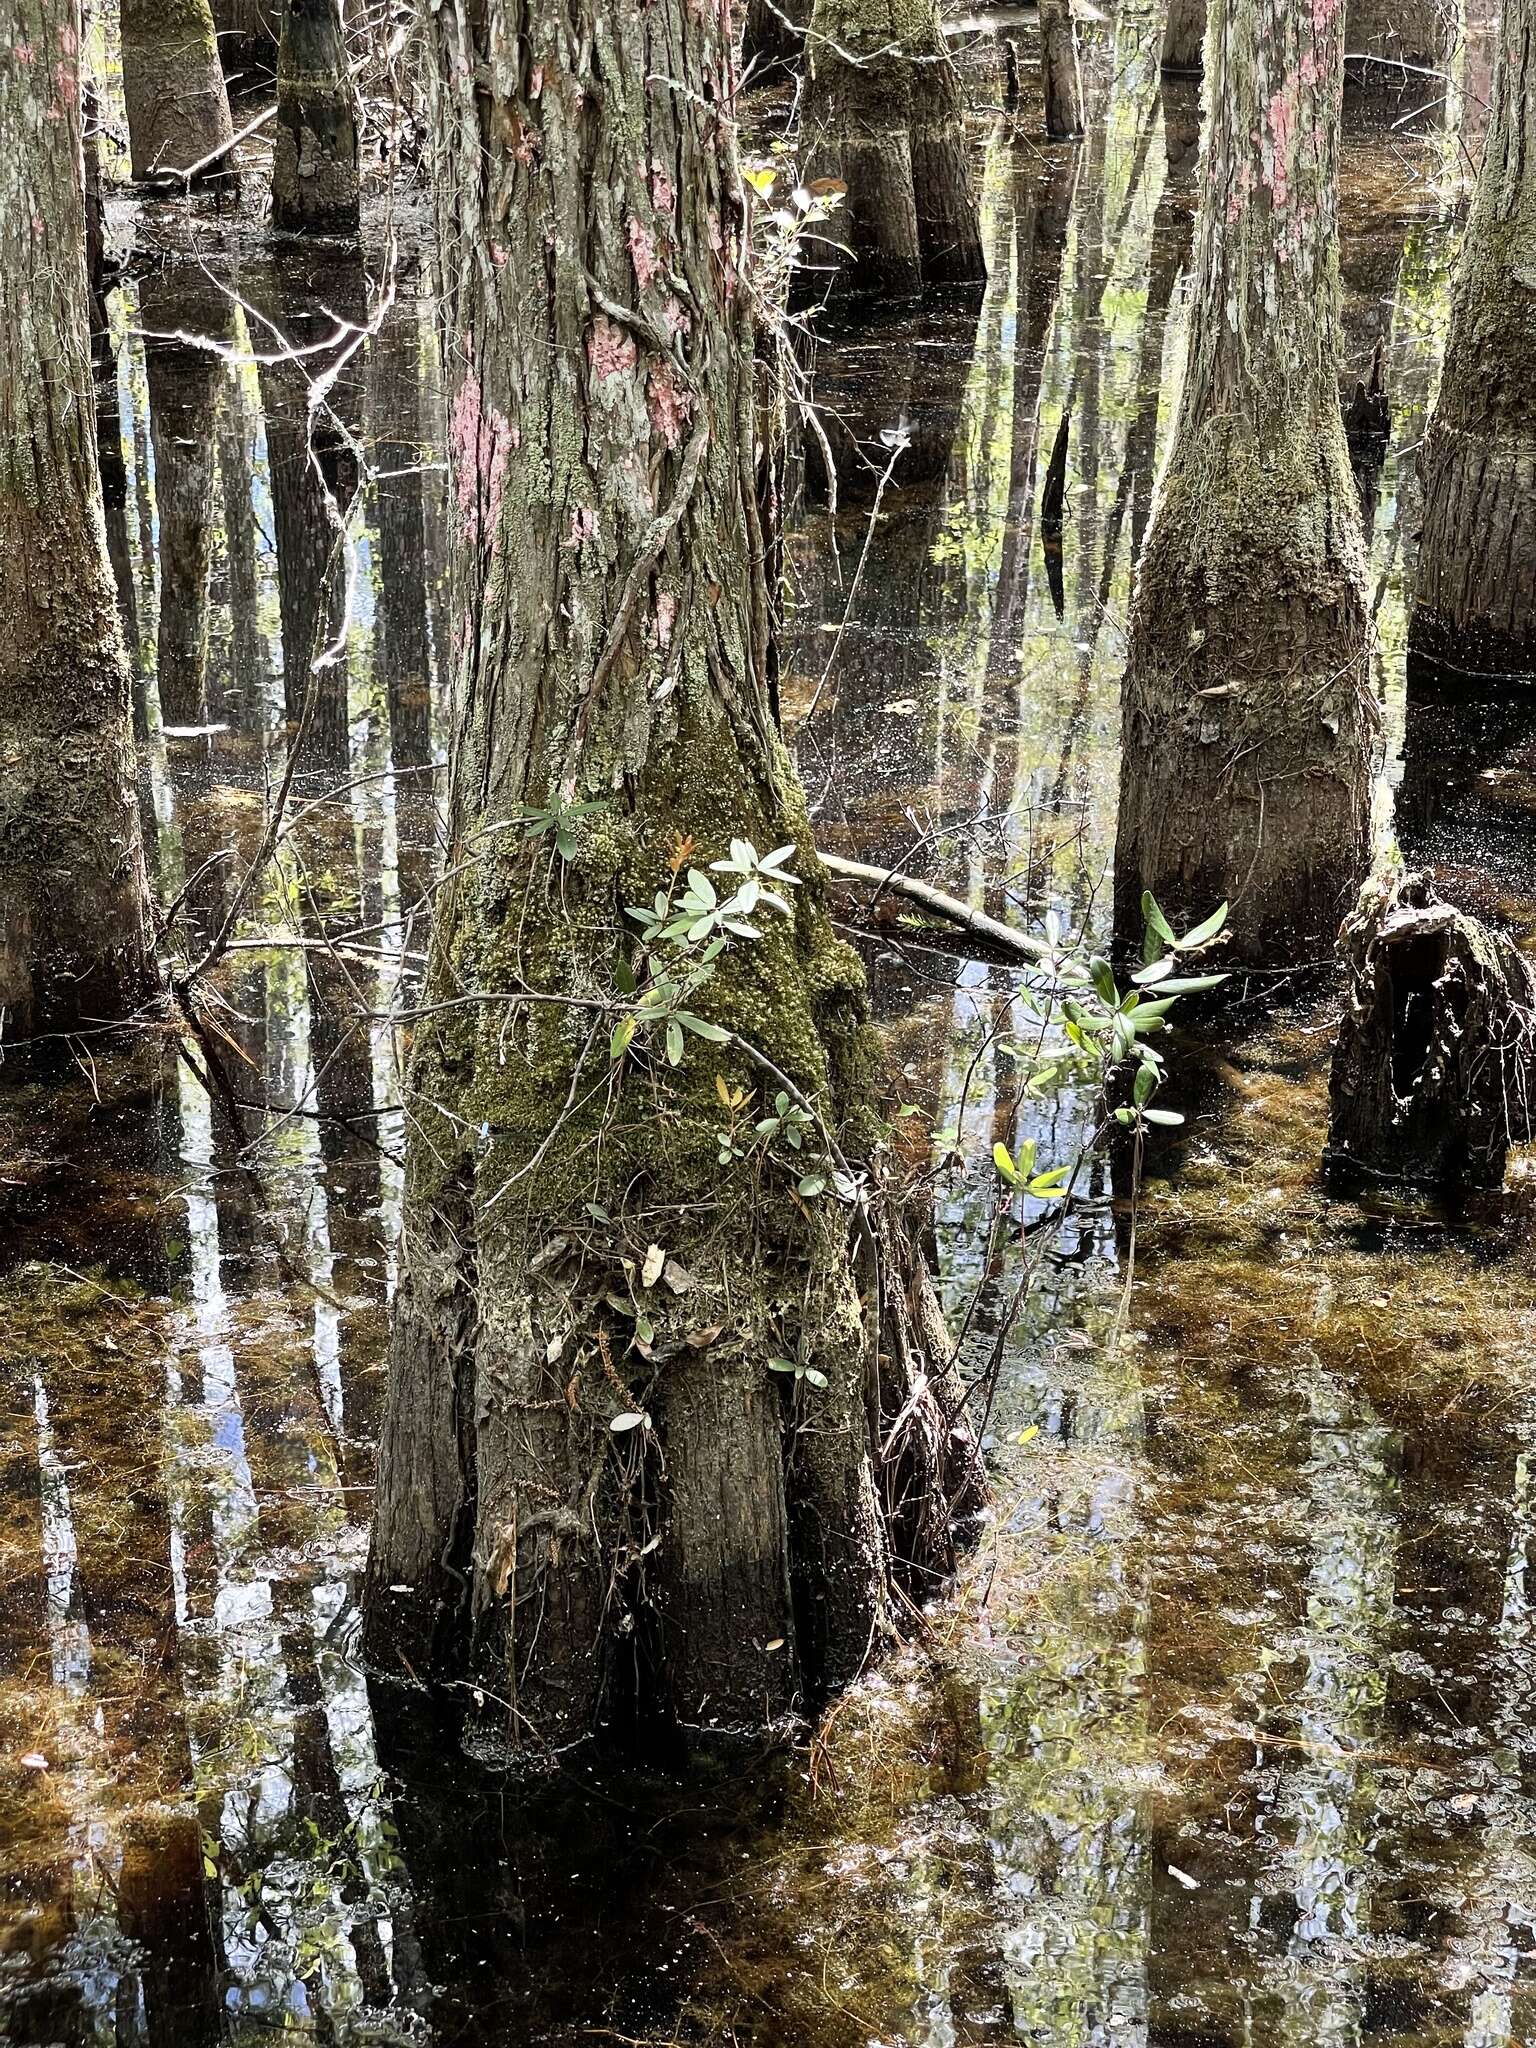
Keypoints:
pixel 1227 1737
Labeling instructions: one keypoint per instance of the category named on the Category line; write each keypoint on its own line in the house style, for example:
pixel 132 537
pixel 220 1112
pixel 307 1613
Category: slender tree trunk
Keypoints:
pixel 612 622
pixel 74 913
pixel 314 158
pixel 247 33
pixel 1247 723
pixel 1475 593
pixel 398 454
pixel 184 385
pixel 1059 71
pixel 249 651
pixel 178 108
pixel 884 114
pixel 1386 38
pixel 773 34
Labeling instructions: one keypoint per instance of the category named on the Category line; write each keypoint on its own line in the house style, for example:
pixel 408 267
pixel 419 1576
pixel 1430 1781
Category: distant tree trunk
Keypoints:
pixel 1247 724
pixel 247 33
pixel 774 34
pixel 184 385
pixel 399 452
pixel 612 622
pixel 1384 37
pixel 250 653
pixel 1436 1053
pixel 313 471
pixel 74 910
pixel 1475 594
pixel 885 115
pixel 314 158
pixel 1184 37
pixel 178 108
pixel 1059 71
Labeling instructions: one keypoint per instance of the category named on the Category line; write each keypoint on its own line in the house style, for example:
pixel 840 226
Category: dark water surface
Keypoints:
pixel 1228 1738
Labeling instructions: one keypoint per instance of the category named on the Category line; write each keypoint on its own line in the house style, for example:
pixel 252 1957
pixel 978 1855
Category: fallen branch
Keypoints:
pixel 1016 943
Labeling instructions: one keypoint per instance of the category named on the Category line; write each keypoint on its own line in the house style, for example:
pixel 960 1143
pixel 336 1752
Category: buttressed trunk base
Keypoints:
pixel 178 107
pixel 1475 588
pixel 314 158
pixel 885 115
pixel 1247 722
pixel 606 1467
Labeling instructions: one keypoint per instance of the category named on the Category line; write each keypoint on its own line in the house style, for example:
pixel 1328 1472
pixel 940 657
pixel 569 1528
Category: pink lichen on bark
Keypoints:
pixel 667 403
pixel 610 351
pixel 481 438
pixel 666 619
pixel 642 253
pixel 676 315
pixel 663 197
pixel 583 526
pixel 1282 129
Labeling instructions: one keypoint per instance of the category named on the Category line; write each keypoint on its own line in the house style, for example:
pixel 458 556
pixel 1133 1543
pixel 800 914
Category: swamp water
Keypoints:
pixel 1227 1739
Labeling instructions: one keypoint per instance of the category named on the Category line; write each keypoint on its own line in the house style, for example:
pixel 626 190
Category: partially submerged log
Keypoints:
pixel 1436 1054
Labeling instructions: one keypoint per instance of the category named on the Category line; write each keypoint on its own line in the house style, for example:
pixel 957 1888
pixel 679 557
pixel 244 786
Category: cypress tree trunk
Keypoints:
pixel 1384 37
pixel 1475 592
pixel 1184 37
pixel 249 653
pixel 885 115
pixel 398 453
pixel 247 34
pixel 1059 71
pixel 613 640
pixel 314 158
pixel 74 913
pixel 1247 724
pixel 773 34
pixel 184 385
pixel 178 108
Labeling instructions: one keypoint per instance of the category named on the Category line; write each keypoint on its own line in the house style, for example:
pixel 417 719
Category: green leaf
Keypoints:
pixel 623 977
pixel 1156 971
pixel 701 1028
pixel 1155 921
pixel 816 1378
pixel 1187 984
pixel 1144 1087
pixel 635 1419
pixel 1002 1159
pixel 1163 1116
pixel 1103 978
pixel 674 1042
pixel 1203 933
pixel 1125 1116
pixel 623 1035
pixel 565 843
pixel 812 1184
pixel 782 1365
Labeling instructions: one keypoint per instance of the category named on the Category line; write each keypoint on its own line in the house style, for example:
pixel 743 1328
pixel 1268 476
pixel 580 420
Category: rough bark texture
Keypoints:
pixel 74 922
pixel 1436 1052
pixel 183 408
pixel 773 34
pixel 1385 38
pixel 884 113
pixel 613 645
pixel 1184 37
pixel 1247 723
pixel 314 156
pixel 398 455
pixel 178 108
pixel 1475 595
pixel 1059 71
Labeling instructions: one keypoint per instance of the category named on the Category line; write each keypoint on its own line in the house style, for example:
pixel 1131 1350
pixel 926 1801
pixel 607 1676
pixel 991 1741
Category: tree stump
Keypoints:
pixel 1437 1049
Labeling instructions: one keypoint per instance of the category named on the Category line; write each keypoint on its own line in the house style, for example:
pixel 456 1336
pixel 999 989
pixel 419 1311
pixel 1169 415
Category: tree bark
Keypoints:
pixel 773 35
pixel 613 642
pixel 314 157
pixel 247 34
pixel 884 114
pixel 184 382
pixel 74 911
pixel 1059 71
pixel 1475 592
pixel 1247 723
pixel 249 651
pixel 1436 1053
pixel 1184 37
pixel 399 451
pixel 178 107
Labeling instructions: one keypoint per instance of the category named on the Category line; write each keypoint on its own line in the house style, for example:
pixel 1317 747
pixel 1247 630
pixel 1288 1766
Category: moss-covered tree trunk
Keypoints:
pixel 1386 39
pixel 1184 37
pixel 613 644
pixel 314 155
pixel 74 913
pixel 1247 724
pixel 884 114
pixel 1475 592
pixel 178 107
